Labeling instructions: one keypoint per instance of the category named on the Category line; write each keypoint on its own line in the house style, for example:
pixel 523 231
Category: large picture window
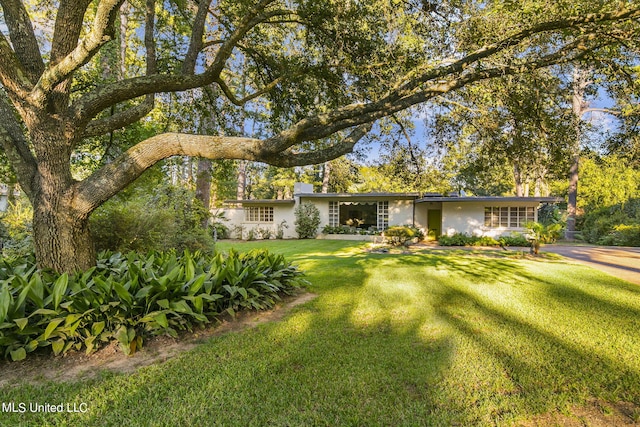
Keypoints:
pixel 508 216
pixel 258 213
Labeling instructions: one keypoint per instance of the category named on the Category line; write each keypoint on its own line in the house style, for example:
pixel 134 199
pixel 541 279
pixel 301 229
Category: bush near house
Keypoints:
pixel 166 218
pixel 307 220
pixel 462 239
pixel 400 235
pixel 128 298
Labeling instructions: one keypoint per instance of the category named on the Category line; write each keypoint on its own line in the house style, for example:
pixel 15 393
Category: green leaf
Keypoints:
pixel 21 322
pixel 18 354
pixel 123 338
pixel 161 319
pixel 52 327
pixel 97 328
pixel 59 289
pixel 44 312
pixel 5 302
pixel 57 346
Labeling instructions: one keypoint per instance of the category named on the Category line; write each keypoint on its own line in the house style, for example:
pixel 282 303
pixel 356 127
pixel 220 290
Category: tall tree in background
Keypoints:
pixel 410 53
pixel 518 122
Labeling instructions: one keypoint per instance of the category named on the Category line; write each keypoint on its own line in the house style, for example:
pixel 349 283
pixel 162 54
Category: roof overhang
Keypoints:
pixel 260 202
pixel 490 199
pixel 360 196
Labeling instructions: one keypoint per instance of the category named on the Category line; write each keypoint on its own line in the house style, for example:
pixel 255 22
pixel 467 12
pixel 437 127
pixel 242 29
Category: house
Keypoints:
pixel 435 214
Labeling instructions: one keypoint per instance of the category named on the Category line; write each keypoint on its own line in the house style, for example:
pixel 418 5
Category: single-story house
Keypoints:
pixel 434 214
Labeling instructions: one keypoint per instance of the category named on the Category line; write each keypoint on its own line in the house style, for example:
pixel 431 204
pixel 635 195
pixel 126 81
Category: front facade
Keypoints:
pixel 367 212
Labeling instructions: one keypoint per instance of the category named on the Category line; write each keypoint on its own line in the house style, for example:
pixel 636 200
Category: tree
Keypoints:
pixel 318 84
pixel 517 123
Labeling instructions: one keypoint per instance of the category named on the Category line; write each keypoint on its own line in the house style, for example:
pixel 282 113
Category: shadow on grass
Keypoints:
pixel 409 340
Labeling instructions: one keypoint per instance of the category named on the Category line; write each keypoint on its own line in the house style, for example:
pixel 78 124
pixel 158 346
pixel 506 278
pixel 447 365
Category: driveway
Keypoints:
pixel 621 262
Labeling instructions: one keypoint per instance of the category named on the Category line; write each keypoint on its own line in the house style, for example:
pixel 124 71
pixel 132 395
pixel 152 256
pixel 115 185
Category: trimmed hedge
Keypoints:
pixel 462 239
pixel 129 298
pixel 398 235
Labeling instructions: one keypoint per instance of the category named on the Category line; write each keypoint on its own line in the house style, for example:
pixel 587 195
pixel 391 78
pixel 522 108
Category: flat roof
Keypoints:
pixel 261 201
pixel 489 199
pixel 358 195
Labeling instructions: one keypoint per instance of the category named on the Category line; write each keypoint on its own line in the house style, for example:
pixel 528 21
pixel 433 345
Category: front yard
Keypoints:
pixel 427 338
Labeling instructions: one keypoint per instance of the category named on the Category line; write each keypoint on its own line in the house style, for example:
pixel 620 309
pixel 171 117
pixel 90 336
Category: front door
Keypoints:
pixel 434 223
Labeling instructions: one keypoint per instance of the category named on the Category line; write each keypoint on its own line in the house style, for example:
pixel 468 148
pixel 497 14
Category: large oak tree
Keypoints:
pixel 328 66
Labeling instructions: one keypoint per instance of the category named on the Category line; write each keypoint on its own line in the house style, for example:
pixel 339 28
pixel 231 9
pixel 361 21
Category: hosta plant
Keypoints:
pixel 129 298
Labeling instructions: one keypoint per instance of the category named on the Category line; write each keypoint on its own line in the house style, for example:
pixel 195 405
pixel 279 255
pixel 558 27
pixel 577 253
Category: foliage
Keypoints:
pixel 307 220
pixel 347 229
pixel 607 181
pixel 400 234
pixel 550 214
pixel 611 224
pixel 16 229
pixel 280 229
pixel 131 297
pixel 218 228
pixel 544 233
pixel 463 239
pixel 622 235
pixel 166 218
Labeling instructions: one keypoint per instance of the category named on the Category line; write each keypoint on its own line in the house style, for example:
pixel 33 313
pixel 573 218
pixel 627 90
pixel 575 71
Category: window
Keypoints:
pixel 508 216
pixel 383 215
pixel 258 213
pixel 334 214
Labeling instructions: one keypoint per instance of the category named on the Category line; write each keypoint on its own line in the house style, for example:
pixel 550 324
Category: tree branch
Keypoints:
pixel 12 75
pixel 115 176
pixel 58 71
pixel 23 38
pixel 290 158
pixel 92 103
pixel 131 115
pixel 120 119
pixel 197 34
pixel 15 146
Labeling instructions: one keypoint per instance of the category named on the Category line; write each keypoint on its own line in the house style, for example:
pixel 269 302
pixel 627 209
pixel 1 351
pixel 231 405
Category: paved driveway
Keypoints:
pixel 621 262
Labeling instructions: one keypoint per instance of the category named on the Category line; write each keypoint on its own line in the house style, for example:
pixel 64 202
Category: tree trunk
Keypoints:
pixel 203 186
pixel 62 242
pixel 62 239
pixel 517 176
pixel 580 83
pixel 242 180
pixel 326 174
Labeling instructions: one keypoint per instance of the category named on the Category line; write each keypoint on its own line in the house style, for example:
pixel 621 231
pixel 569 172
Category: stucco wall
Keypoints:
pixel 400 212
pixel 281 212
pixel 468 217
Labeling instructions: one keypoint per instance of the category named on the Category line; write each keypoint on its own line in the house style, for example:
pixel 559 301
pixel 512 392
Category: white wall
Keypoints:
pixel 400 212
pixel 468 217
pixel 235 217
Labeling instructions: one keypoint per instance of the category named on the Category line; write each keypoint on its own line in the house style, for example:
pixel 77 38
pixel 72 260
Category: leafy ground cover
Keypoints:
pixel 424 338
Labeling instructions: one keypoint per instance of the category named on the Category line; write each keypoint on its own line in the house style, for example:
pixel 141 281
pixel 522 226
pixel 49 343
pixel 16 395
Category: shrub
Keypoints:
pixel 129 298
pixel 400 235
pixel 597 225
pixel 515 239
pixel 622 235
pixel 16 229
pixel 167 218
pixel 462 239
pixel 307 220
pixel 457 239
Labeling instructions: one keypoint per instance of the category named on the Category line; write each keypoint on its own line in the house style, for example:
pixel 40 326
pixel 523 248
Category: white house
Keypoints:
pixel 433 213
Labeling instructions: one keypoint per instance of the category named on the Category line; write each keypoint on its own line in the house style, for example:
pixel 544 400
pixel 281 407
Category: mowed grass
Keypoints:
pixel 430 338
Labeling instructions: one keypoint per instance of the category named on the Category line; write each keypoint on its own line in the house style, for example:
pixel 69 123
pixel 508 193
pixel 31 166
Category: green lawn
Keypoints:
pixel 446 338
